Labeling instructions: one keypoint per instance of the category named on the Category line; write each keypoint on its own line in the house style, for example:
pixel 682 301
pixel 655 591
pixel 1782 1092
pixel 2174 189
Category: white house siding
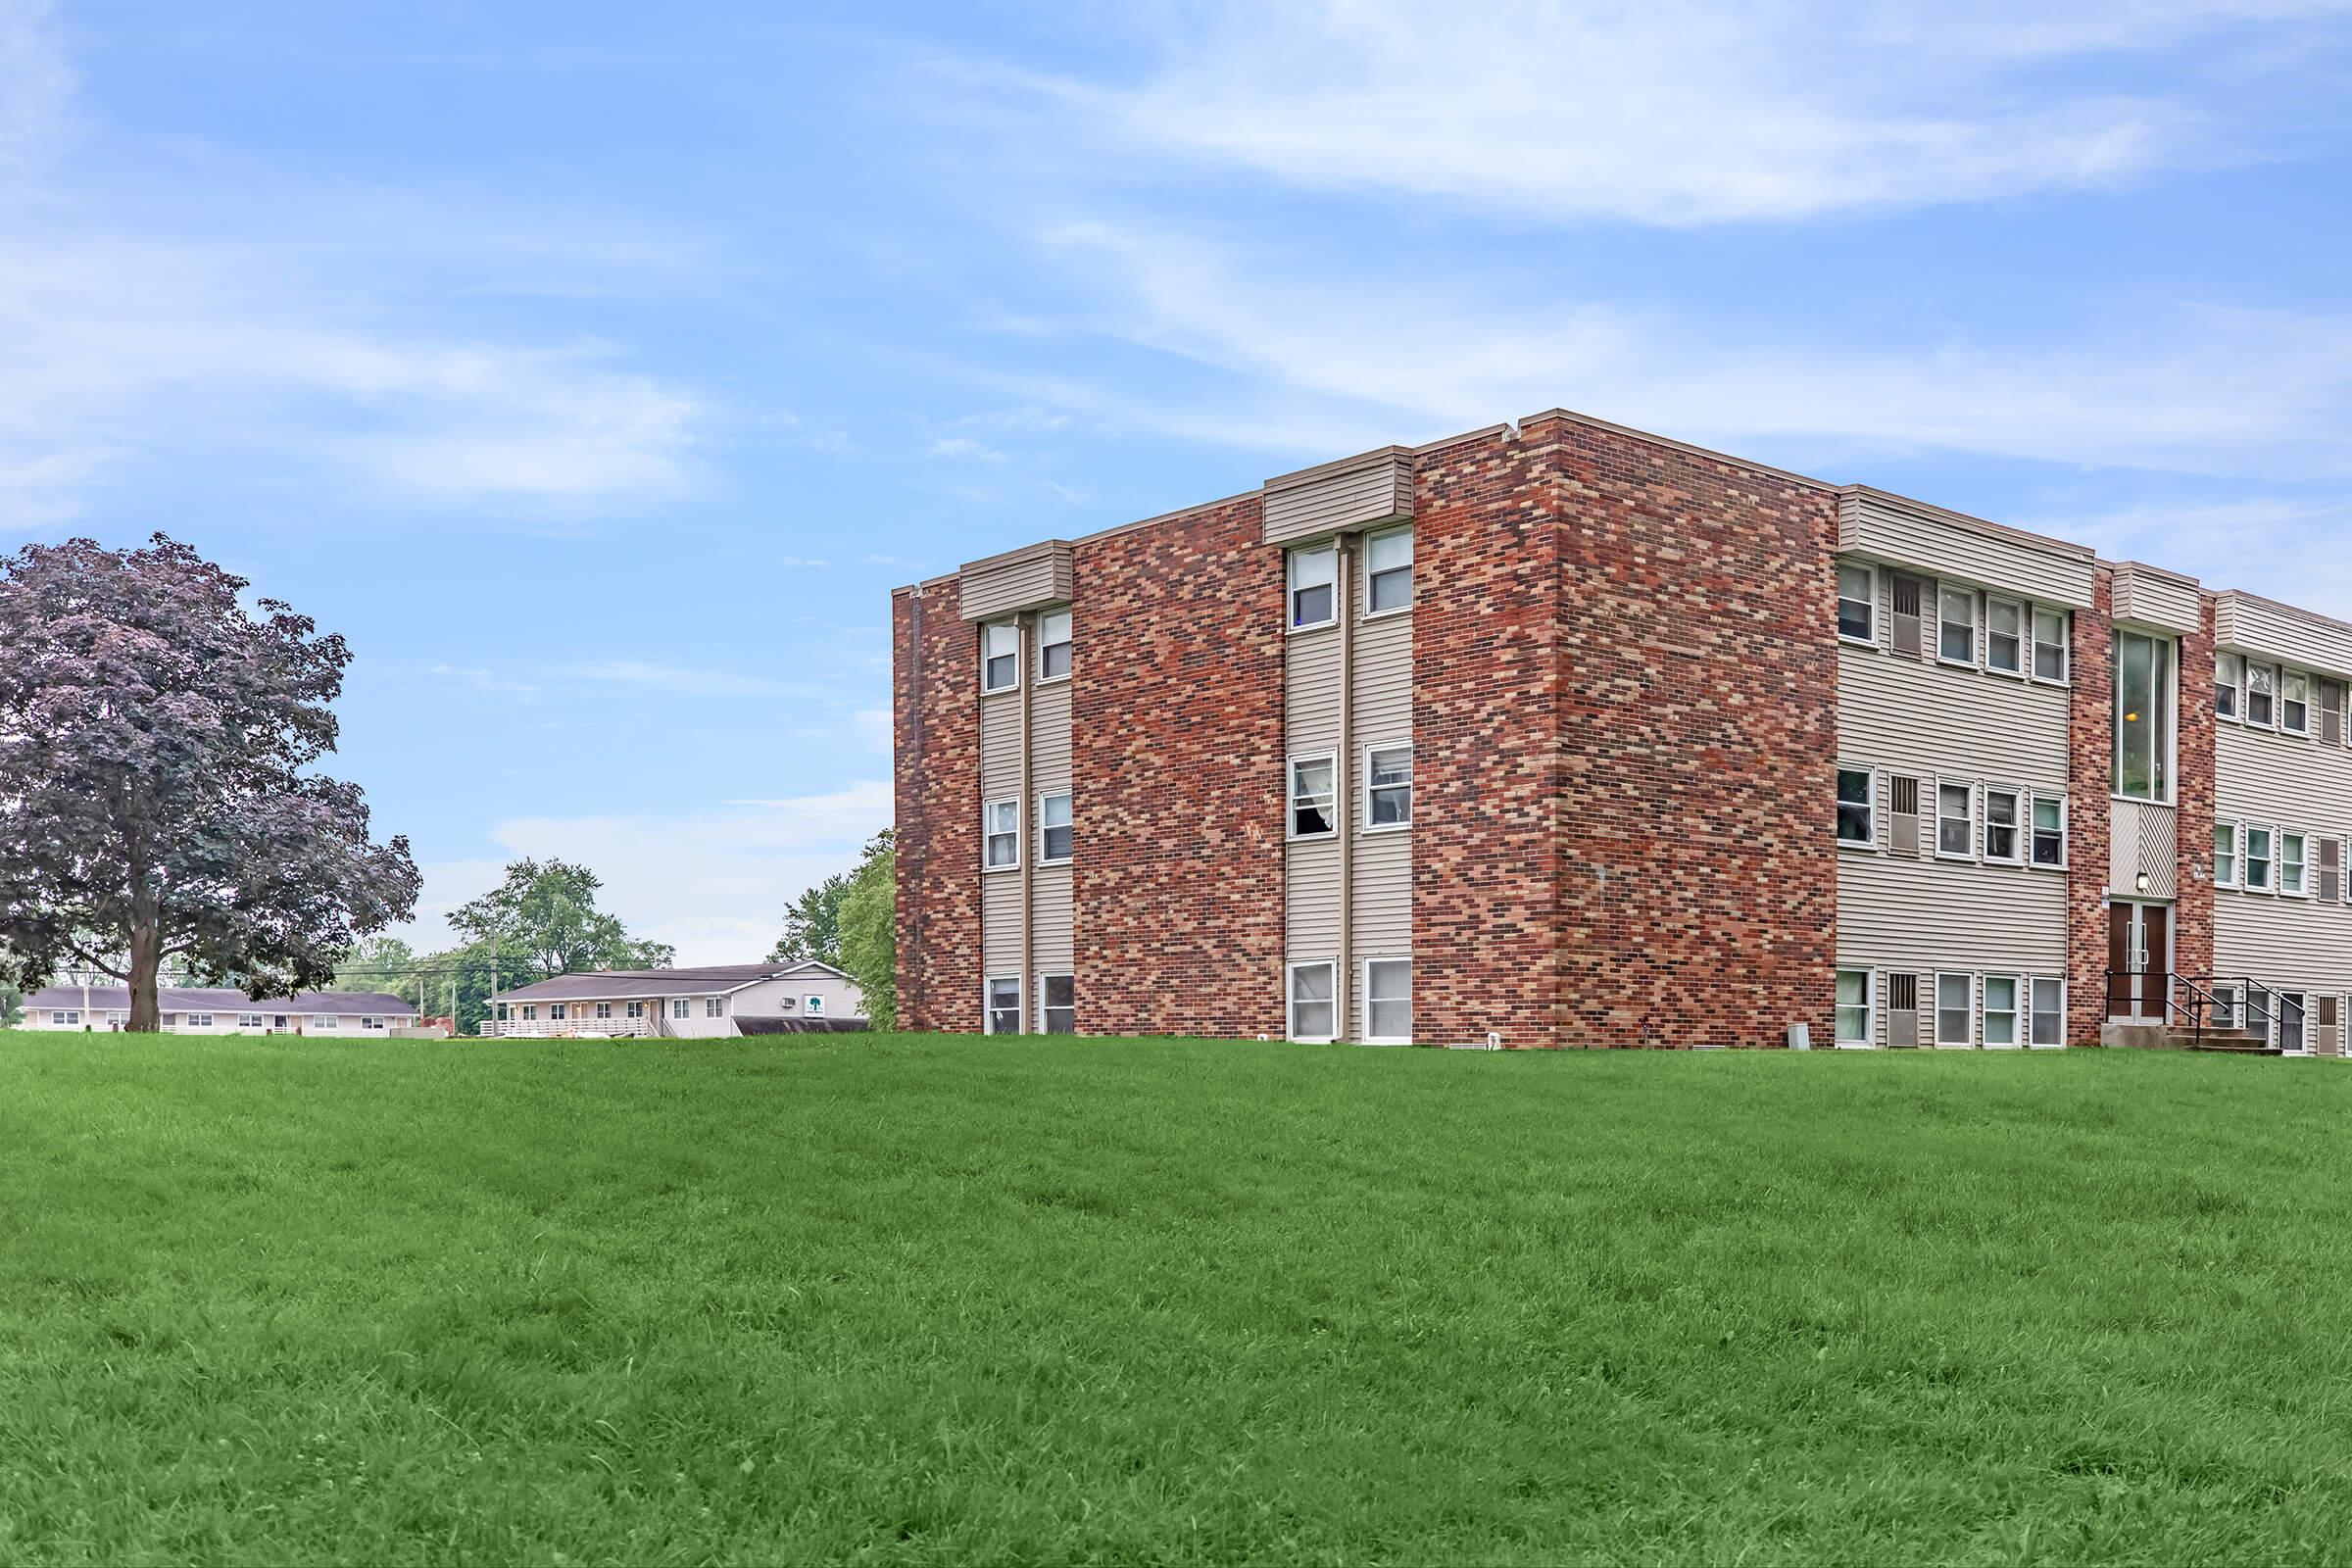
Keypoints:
pixel 767 999
pixel 2282 782
pixel 1901 914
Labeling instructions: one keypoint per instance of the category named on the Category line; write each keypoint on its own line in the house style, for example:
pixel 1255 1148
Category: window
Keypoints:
pixel 1956 817
pixel 811 1004
pixel 1000 657
pixel 1003 827
pixel 2002 830
pixel 2262 686
pixel 559 1011
pixel 1004 1005
pixel 2048 1026
pixel 604 1009
pixel 1388 786
pixel 679 1008
pixel 1857 603
pixel 2005 636
pixel 1956 626
pixel 371 1023
pixel 2290 864
pixel 1314 587
pixel 2225 855
pixel 1054 645
pixel 249 1021
pixel 2294 703
pixel 2144 717
pixel 2229 674
pixel 65 1015
pixel 1955 1018
pixel 2049 830
pixel 2224 1007
pixel 531 1010
pixel 634 1009
pixel 2050 643
pixel 2291 1039
pixel 204 1020
pixel 1057 837
pixel 2001 1011
pixel 1314 1008
pixel 714 1006
pixel 2257 860
pixel 1389 1001
pixel 1854 1009
pixel 1856 789
pixel 1060 994
pixel 1389 572
pixel 1314 794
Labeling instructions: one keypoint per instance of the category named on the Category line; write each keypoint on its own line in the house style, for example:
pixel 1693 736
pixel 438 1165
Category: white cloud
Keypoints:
pixel 1676 112
pixel 679 681
pixel 711 884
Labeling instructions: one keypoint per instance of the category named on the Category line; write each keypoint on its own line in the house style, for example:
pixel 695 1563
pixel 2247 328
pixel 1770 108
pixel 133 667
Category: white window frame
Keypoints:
pixel 1869 1038
pixel 1043 827
pixel 2065 644
pixel 604 1009
pixel 2246 857
pixel 2302 1005
pixel 988 1004
pixel 367 1022
pixel 200 1020
pixel 681 1008
pixel 1290 1000
pixel 1975 639
pixel 1969 785
pixel 989 833
pixel 2023 637
pixel 2225 867
pixel 2234 686
pixel 1328 552
pixel 2033 982
pixel 2286 679
pixel 2019 824
pixel 61 1016
pixel 1870 810
pixel 633 1009
pixel 988 638
pixel 1870 574
pixel 2301 864
pixel 2034 797
pixel 1366 993
pixel 2167 673
pixel 1330 808
pixel 1044 1002
pixel 2271 696
pixel 530 1013
pixel 1935 1024
pixel 1370 789
pixel 2020 1007
pixel 1045 643
pixel 249 1021
pixel 1372 574
pixel 714 1006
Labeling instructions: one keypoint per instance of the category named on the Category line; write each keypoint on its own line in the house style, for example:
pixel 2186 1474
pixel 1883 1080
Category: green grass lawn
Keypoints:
pixel 904 1299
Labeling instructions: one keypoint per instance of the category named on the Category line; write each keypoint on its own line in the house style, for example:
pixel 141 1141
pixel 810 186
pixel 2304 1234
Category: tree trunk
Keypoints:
pixel 146 959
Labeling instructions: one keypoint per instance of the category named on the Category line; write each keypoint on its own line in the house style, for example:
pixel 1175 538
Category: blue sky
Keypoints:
pixel 596 370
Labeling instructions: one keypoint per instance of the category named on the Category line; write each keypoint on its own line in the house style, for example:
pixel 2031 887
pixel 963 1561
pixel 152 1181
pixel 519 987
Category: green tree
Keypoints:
pixel 12 1005
pixel 545 913
pixel 869 930
pixel 381 963
pixel 813 923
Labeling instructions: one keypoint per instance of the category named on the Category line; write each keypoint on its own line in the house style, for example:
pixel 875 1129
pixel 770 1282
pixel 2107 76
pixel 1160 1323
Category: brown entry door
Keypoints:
pixel 2156 959
pixel 2122 944
pixel 2139 960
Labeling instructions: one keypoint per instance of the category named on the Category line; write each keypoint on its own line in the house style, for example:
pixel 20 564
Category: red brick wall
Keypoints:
pixel 936 731
pixel 1486 763
pixel 2091 785
pixel 1177 744
pixel 1698 737
pixel 2192 937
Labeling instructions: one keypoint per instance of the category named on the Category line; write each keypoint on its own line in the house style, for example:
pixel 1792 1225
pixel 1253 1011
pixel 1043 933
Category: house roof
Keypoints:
pixel 619 985
pixel 220 998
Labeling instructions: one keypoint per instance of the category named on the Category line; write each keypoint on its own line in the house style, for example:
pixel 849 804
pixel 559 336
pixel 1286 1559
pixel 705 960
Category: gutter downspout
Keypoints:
pixel 1342 777
pixel 1032 833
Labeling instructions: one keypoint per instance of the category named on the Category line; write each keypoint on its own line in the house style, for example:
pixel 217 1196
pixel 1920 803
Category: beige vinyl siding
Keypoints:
pixel 1020 580
pixel 1917 716
pixel 1311 694
pixel 1898 913
pixel 2156 598
pixel 2141 840
pixel 1315 898
pixel 1938 543
pixel 1312 682
pixel 1049 738
pixel 1384 714
pixel 2279 631
pixel 1384 679
pixel 1353 493
pixel 1000 746
pixel 1056 943
pixel 2283 782
pixel 1383 895
pixel 1000 922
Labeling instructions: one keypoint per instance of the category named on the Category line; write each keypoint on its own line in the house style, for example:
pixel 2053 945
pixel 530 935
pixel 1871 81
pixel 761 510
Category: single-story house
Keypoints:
pixel 223 1011
pixel 687 1003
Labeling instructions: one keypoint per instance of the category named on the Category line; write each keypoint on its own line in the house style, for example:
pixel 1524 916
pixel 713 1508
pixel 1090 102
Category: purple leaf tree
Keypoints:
pixel 158 798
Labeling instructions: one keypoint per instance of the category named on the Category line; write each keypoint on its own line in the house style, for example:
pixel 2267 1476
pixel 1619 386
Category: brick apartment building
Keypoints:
pixel 1567 734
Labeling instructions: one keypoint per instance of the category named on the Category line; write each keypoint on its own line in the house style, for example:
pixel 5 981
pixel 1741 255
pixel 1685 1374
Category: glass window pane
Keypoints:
pixel 2135 716
pixel 1959 624
pixel 1388 551
pixel 1853 805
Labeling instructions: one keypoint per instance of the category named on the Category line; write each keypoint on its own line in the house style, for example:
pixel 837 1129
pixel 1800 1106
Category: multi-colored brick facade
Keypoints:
pixel 1630 693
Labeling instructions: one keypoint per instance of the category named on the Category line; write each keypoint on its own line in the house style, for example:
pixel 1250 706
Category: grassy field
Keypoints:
pixel 903 1299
